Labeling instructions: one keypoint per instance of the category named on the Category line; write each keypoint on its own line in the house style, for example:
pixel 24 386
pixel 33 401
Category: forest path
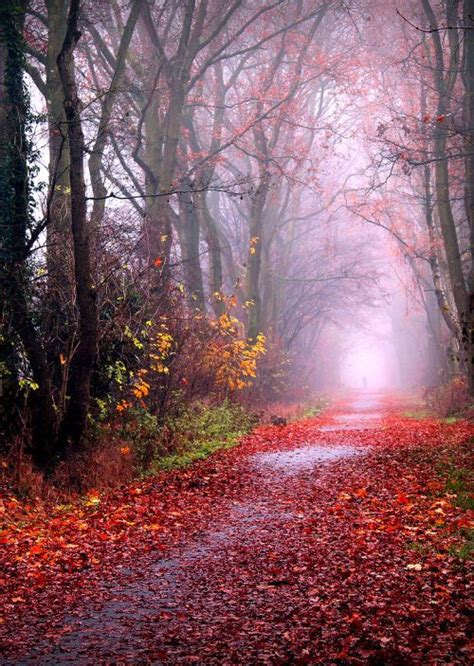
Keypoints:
pixel 293 559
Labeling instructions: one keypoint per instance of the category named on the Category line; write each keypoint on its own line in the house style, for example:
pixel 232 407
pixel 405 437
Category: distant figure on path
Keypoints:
pixel 364 382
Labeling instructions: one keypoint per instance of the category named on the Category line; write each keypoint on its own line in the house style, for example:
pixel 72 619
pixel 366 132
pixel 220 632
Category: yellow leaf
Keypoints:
pixel 92 500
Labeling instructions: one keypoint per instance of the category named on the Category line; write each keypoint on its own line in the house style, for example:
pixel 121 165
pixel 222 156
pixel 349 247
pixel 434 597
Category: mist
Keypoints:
pixel 254 201
pixel 236 331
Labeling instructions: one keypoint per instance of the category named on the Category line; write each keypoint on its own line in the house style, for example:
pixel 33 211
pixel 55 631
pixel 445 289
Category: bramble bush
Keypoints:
pixel 451 399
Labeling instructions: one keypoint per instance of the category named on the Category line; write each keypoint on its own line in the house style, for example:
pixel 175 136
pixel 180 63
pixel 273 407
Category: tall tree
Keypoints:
pixel 16 223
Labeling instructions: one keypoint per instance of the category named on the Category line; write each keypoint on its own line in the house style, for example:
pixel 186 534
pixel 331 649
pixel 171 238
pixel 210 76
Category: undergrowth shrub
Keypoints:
pixel 162 363
pixel 107 462
pixel 143 435
pixel 137 444
pixel 199 430
pixel 451 399
pixel 292 411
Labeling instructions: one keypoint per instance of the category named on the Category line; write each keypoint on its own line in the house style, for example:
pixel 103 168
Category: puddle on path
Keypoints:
pixel 303 458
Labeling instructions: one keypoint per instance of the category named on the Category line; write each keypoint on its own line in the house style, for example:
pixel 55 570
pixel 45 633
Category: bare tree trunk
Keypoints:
pixel 448 228
pixel 158 230
pixel 254 258
pixel 436 271
pixel 446 69
pixel 208 224
pixel 191 258
pixel 75 419
pixel 468 76
pixel 59 236
pixel 97 154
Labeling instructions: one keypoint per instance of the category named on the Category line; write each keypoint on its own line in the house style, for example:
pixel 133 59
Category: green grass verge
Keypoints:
pixel 417 415
pixel 198 431
pixel 450 420
pixel 199 451
pixel 315 410
pixel 464 552
pixel 422 414
pixel 459 482
pixel 201 430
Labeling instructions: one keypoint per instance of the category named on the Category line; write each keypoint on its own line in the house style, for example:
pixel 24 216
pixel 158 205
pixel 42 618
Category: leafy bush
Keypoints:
pixel 161 363
pixel 137 444
pixel 142 433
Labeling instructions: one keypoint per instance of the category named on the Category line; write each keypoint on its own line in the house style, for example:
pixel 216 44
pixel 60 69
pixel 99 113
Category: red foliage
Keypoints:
pixel 236 561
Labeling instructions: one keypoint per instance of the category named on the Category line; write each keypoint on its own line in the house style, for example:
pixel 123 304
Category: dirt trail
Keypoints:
pixel 271 576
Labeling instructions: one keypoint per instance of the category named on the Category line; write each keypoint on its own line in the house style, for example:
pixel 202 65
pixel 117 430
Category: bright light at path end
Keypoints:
pixel 367 367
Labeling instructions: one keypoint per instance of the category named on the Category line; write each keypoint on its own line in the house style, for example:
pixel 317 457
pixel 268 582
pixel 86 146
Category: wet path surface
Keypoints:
pixel 200 590
pixel 295 547
pixel 303 458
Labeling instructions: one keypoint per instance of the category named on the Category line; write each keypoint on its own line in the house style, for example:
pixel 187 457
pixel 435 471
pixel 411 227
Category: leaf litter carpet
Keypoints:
pixel 328 541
